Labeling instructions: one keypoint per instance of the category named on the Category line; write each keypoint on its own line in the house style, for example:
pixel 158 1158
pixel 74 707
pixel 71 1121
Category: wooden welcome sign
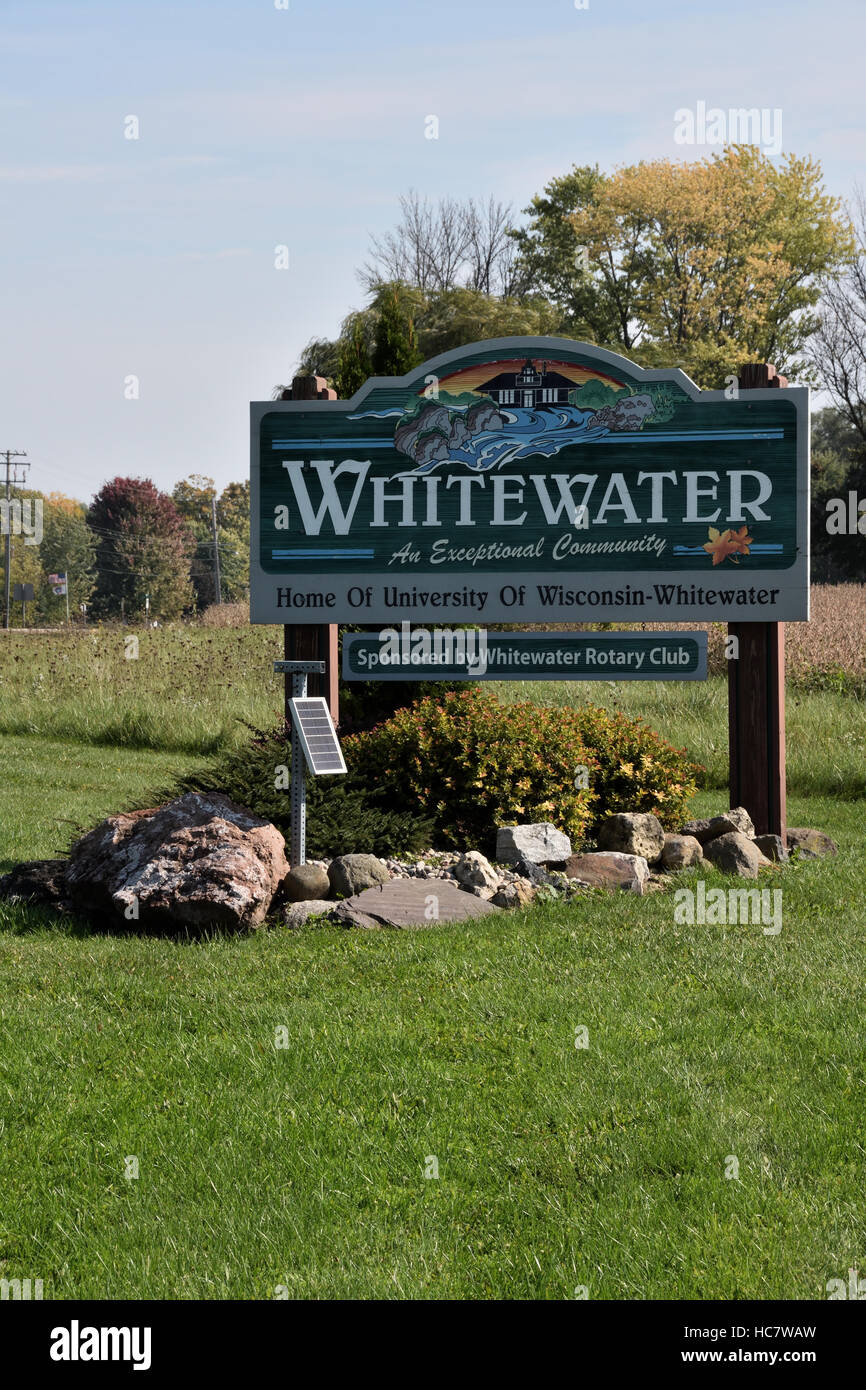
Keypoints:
pixel 540 480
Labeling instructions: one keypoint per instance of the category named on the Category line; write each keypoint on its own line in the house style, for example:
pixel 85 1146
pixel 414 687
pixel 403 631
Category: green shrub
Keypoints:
pixel 343 815
pixel 636 769
pixel 474 764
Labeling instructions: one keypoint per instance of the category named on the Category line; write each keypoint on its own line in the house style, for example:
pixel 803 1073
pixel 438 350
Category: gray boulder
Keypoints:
pixel 697 830
pixel 737 819
pixel 811 843
pixel 610 869
pixel 633 832
pixel 353 873
pixel 733 853
pixel 681 851
pixel 539 843
pixel 306 882
pixel 772 847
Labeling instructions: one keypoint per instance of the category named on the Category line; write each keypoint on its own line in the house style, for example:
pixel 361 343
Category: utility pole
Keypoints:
pixel 10 454
pixel 217 582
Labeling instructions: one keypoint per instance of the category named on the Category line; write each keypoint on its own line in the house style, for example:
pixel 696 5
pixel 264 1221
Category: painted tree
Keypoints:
pixel 143 547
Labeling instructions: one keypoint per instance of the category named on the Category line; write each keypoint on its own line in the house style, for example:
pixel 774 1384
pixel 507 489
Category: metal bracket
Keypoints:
pixel 296 668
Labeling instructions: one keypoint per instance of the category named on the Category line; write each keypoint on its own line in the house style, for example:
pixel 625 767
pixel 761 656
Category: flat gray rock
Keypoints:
pixel 412 902
pixel 296 914
pixel 811 843
pixel 541 843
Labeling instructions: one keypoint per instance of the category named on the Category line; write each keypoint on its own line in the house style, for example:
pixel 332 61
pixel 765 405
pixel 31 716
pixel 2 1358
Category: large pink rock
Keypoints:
pixel 198 861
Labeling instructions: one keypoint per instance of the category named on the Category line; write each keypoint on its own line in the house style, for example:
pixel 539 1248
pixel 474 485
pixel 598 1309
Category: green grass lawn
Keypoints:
pixel 303 1166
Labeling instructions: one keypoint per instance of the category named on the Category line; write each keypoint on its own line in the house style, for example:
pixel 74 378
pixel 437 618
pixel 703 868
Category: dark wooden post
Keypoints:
pixel 313 641
pixel 756 696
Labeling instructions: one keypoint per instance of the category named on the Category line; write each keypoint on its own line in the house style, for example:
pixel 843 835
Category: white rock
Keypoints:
pixel 474 871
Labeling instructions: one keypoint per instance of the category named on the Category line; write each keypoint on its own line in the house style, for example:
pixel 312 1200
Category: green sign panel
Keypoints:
pixel 531 480
pixel 473 654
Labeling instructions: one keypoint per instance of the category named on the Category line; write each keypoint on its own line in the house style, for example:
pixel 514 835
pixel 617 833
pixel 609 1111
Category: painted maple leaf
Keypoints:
pixel 727 545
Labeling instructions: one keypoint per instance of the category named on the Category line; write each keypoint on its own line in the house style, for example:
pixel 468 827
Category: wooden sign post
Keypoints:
pixel 312 641
pixel 756 696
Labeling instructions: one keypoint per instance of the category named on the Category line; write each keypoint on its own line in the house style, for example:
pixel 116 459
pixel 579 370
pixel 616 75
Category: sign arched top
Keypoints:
pixel 531 480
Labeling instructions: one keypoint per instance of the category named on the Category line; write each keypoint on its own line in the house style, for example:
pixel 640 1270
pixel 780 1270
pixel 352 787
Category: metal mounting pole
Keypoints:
pixel 298 670
pixel 299 784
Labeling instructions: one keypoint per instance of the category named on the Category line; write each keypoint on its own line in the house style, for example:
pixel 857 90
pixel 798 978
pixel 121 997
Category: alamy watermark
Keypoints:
pixel 19 518
pixel 20 1290
pixel 441 646
pixel 738 125
pixel 729 907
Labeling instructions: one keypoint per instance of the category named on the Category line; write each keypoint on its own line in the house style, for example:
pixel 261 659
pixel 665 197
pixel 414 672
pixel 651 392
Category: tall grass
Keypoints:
pixel 183 689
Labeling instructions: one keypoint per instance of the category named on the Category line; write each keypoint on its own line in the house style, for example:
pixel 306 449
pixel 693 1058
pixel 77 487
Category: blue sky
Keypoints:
pixel 262 126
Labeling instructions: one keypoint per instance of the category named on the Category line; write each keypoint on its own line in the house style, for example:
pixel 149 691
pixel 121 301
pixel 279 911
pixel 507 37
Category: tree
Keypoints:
pixel 194 497
pixel 354 362
pixel 838 351
pixel 233 517
pixel 68 546
pixel 441 320
pixel 444 246
pixel 395 350
pixel 143 547
pixel 704 265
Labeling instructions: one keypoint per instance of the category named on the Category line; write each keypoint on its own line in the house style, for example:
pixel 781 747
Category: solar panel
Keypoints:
pixel 315 728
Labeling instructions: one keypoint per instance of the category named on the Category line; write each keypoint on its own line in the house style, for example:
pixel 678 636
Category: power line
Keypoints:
pixel 10 454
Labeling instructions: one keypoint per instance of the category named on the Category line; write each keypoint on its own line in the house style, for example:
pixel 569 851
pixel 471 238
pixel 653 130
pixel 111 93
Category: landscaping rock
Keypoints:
pixel 540 844
pixel 411 903
pixel 306 882
pixel 472 870
pixel 534 873
pixel 353 873
pixel 295 914
pixel 633 832
pixel 733 853
pixel 681 851
pixel 697 830
pixel 610 869
pixel 737 820
pixel 812 843
pixel 39 881
pixel 518 893
pixel 200 860
pixel 772 847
